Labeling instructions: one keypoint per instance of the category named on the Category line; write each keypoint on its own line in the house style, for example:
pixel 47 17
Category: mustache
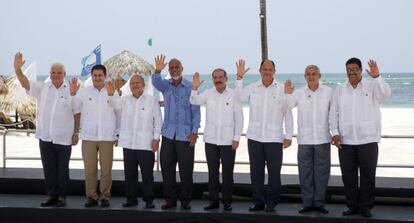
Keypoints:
pixel 218 82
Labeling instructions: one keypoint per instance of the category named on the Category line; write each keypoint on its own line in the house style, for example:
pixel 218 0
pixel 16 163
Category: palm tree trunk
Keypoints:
pixel 263 29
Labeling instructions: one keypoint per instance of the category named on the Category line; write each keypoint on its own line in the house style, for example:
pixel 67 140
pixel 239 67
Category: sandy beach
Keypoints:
pixel 395 121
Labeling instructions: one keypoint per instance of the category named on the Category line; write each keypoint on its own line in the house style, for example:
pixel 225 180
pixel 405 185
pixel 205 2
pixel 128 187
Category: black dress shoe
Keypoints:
pixel 149 205
pixel 61 201
pixel 350 211
pixel 212 206
pixel 130 203
pixel 227 207
pixel 321 209
pixel 168 205
pixel 257 207
pixel 185 206
pixel 104 203
pixel 270 207
pixel 51 201
pixel 91 202
pixel 365 212
pixel 305 210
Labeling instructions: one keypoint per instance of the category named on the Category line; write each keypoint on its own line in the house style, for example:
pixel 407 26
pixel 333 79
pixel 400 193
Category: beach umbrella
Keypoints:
pixel 126 64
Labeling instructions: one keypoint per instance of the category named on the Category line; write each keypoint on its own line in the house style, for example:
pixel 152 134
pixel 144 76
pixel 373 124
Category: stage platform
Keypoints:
pixel 22 190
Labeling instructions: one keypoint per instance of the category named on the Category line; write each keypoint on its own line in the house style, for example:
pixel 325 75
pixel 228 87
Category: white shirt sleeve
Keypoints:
pixel 77 102
pixel 381 89
pixel 198 99
pixel 115 102
pixel 291 100
pixel 334 112
pixel 238 118
pixel 157 120
pixel 242 93
pixel 35 88
pixel 288 124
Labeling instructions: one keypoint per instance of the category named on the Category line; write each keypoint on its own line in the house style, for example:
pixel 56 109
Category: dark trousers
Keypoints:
pixel 214 155
pixel 363 158
pixel 145 160
pixel 271 155
pixel 55 161
pixel 314 163
pixel 173 152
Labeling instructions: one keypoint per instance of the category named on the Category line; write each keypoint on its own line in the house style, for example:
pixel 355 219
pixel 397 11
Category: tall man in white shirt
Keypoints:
pixel 269 116
pixel 314 154
pixel 98 126
pixel 355 120
pixel 57 128
pixel 139 136
pixel 224 126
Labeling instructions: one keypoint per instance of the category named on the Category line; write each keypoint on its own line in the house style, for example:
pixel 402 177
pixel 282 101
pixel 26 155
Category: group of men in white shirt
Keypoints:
pixel 348 117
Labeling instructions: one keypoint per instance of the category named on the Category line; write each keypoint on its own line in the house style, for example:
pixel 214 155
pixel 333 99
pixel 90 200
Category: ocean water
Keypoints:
pixel 402 84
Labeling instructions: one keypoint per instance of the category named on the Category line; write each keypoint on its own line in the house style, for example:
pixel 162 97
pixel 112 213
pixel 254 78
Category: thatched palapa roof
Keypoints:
pixel 127 63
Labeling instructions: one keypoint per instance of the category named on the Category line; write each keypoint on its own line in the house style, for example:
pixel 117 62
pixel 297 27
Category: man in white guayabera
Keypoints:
pixel 224 126
pixel 57 128
pixel 314 151
pixel 269 116
pixel 98 134
pixel 139 136
pixel 355 120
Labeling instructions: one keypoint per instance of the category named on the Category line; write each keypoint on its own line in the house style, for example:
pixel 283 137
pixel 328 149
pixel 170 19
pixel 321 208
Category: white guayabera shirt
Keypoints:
pixel 55 121
pixel 355 113
pixel 98 119
pixel 269 112
pixel 141 121
pixel 224 115
pixel 313 114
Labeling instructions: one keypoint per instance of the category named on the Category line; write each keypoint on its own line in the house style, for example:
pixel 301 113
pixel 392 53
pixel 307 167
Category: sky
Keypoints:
pixel 208 34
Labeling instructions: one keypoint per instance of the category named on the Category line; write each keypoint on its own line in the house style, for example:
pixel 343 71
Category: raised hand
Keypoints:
pixel 241 69
pixel 110 88
pixel 197 82
pixel 18 61
pixel 289 87
pixel 74 86
pixel 160 63
pixel 373 69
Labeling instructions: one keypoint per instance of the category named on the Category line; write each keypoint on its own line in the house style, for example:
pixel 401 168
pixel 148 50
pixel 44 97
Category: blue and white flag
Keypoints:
pixel 91 60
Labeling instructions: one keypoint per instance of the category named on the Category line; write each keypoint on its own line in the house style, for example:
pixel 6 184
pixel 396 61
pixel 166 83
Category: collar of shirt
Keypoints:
pixel 184 82
pixel 360 84
pixel 309 91
pixel 50 84
pixel 226 90
pixel 260 83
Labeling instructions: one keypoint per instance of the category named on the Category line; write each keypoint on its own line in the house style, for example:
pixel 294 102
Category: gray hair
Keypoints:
pixel 139 76
pixel 311 67
pixel 58 65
